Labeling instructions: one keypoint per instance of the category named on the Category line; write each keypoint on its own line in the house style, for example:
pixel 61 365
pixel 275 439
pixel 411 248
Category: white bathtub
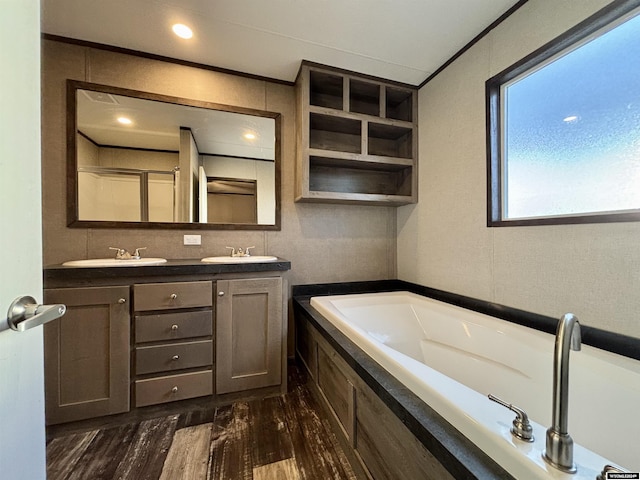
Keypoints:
pixel 452 358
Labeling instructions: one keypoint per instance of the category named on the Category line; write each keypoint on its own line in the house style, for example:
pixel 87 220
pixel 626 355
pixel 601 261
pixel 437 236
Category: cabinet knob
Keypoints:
pixel 174 327
pixel 174 390
pixel 173 296
pixel 221 294
pixel 122 300
pixel 175 357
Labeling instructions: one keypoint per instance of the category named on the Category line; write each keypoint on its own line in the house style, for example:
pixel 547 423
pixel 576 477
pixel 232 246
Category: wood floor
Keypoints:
pixel 279 438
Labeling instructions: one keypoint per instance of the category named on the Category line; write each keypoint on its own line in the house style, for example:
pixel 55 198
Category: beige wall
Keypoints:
pixel 325 243
pixel 592 270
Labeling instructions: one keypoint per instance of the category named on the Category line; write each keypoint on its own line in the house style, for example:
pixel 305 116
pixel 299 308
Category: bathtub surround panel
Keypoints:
pixel 328 244
pixel 443 241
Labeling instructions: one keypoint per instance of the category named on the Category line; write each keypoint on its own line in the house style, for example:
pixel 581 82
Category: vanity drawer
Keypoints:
pixel 173 326
pixel 164 296
pixel 173 387
pixel 176 356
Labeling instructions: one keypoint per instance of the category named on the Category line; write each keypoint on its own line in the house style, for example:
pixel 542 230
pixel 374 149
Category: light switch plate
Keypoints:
pixel 193 239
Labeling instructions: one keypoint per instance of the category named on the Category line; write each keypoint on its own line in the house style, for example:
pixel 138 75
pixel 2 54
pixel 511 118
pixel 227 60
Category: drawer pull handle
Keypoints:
pixel 174 390
pixel 173 296
pixel 122 300
pixel 174 327
pixel 175 357
pixel 221 294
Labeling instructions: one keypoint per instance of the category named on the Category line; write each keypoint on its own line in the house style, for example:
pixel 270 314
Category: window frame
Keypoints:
pixel 606 18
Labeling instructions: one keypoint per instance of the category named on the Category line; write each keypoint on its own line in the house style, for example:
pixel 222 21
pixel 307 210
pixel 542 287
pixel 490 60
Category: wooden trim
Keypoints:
pixel 158 97
pixel 473 41
pixel 589 26
pixel 72 148
pixel 161 58
pixel 236 157
pixel 493 89
pixel 100 145
pixel 633 216
pixel 353 74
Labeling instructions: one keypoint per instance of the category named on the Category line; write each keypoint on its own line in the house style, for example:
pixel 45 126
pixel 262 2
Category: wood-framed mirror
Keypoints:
pixel 143 160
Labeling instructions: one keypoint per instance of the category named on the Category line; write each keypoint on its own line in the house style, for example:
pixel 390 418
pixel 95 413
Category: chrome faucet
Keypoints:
pixel 240 252
pixel 559 446
pixel 122 254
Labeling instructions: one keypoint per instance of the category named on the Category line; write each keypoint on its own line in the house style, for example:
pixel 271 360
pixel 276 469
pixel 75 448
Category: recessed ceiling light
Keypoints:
pixel 125 120
pixel 571 119
pixel 250 136
pixel 182 31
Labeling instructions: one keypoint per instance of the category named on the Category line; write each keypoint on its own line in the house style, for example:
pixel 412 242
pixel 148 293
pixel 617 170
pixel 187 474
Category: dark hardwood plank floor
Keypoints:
pixel 279 438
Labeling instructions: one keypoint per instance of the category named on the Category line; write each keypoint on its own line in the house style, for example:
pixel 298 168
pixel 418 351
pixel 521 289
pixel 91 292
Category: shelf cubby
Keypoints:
pixel 364 97
pixel 390 140
pixel 357 138
pixel 399 104
pixel 326 175
pixel 335 133
pixel 325 90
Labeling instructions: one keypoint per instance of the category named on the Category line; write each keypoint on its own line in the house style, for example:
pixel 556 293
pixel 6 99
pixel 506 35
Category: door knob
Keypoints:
pixel 25 313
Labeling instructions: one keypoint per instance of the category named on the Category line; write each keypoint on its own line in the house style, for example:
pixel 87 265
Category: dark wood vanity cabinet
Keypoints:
pixel 173 347
pixel 249 334
pixel 133 340
pixel 87 354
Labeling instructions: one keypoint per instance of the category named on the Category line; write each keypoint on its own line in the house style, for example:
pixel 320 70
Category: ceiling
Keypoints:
pixel 401 40
pixel 156 125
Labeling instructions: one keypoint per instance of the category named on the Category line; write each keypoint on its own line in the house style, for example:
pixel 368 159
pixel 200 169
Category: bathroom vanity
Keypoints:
pixel 146 335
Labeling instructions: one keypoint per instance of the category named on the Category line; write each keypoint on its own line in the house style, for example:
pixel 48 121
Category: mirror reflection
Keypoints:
pixel 155 160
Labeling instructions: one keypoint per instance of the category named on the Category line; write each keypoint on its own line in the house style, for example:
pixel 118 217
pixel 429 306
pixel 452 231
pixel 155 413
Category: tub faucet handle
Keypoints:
pixel 521 427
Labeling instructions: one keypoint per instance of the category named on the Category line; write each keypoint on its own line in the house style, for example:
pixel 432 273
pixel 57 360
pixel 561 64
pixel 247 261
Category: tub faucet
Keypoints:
pixel 559 451
pixel 607 469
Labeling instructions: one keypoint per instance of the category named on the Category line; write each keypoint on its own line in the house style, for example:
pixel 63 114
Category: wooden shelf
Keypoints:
pixel 357 138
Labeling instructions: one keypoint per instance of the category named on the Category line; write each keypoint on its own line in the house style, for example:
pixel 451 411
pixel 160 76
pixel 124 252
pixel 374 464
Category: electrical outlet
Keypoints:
pixel 193 239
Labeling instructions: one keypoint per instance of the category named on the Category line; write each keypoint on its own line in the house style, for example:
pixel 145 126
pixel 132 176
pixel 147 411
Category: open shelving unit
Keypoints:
pixel 357 138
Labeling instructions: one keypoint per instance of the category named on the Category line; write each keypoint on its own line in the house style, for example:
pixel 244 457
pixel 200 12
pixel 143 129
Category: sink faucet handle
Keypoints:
pixel 246 251
pixel 121 253
pixel 233 251
pixel 136 253
pixel 521 427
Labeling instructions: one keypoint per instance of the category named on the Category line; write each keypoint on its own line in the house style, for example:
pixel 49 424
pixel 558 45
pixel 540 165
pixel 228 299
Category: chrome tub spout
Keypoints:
pixel 559 446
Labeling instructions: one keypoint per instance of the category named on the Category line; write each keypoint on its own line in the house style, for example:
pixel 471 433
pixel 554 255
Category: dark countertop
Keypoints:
pixel 172 267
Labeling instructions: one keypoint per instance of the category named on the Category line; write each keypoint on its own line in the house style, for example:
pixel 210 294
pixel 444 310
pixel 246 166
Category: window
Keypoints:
pixel 563 127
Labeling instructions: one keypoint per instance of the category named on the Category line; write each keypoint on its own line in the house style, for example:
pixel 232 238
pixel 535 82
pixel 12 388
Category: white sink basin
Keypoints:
pixel 113 262
pixel 230 259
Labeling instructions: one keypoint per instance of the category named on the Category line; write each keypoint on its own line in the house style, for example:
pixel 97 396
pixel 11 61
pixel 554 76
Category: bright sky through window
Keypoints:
pixel 572 131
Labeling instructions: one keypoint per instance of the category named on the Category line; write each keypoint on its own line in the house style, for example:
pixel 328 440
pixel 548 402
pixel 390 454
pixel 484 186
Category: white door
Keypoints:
pixel 22 434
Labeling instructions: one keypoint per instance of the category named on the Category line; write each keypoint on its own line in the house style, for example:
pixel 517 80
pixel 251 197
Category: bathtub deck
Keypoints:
pixel 286 437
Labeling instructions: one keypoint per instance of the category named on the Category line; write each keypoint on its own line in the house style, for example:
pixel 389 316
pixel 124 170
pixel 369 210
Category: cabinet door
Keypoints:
pixel 248 334
pixel 87 354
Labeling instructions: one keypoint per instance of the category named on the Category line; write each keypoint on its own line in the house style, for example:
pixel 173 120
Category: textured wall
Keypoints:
pixel 325 243
pixel 592 270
